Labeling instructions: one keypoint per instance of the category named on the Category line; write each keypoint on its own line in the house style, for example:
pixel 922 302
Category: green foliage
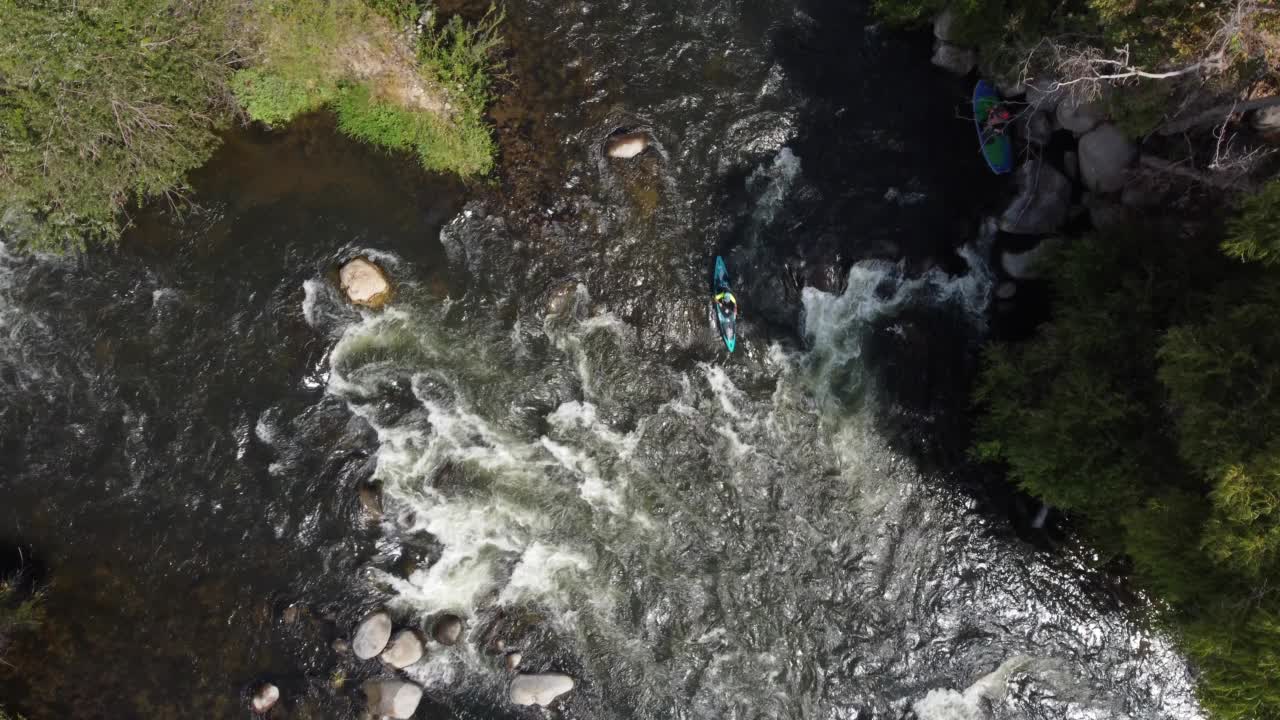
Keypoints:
pixel 104 103
pixel 1254 233
pixel 458 146
pixel 276 99
pixel 463 56
pixel 346 55
pixel 1149 406
pixel 18 613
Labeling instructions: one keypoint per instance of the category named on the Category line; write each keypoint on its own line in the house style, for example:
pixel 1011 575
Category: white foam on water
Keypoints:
pixel 541 569
pixel 772 183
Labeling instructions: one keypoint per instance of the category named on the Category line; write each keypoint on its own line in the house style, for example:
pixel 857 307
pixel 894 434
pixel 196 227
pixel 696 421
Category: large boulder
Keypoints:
pixel 404 650
pixel 372 635
pixel 1027 265
pixel 448 630
pixel 392 698
pixel 953 58
pixel 1078 118
pixel 626 145
pixel 1267 121
pixel 540 689
pixel 365 283
pixel 1105 157
pixel 1042 95
pixel 265 698
pixel 1037 128
pixel 1042 202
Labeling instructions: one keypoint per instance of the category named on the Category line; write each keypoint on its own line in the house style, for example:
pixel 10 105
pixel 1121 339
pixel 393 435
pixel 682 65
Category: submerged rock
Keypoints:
pixel 370 500
pixel 392 698
pixel 404 650
pixel 1105 156
pixel 266 697
pixel 953 58
pixel 372 635
pixel 1042 202
pixel 448 630
pixel 626 145
pixel 1006 290
pixel 539 689
pixel 365 283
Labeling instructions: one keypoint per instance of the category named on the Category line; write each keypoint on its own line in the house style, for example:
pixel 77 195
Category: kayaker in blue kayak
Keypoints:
pixel 728 304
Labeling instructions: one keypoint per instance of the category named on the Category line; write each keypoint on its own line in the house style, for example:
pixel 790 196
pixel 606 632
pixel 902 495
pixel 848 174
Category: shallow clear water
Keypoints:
pixel 569 460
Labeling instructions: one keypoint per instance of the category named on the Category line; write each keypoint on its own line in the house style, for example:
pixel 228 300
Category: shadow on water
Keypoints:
pixel 167 444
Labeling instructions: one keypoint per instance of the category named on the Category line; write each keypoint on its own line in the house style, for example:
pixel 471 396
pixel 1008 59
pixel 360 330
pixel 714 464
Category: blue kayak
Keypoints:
pixel 996 148
pixel 725 304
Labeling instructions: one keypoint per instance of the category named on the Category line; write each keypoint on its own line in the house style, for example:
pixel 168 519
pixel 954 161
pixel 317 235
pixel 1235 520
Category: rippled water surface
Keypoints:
pixel 568 458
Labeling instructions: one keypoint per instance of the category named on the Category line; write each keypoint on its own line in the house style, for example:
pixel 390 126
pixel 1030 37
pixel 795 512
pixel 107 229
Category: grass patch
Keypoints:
pixel 422 91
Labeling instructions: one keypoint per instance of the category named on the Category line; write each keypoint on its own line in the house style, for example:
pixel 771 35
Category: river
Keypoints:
pixel 568 458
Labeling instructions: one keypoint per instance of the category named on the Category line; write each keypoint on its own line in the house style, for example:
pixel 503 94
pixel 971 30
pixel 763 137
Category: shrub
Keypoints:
pixel 103 104
pixel 1254 233
pixel 1148 406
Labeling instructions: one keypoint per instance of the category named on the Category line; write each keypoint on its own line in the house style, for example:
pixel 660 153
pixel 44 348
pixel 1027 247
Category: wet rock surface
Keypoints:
pixel 265 698
pixel 404 650
pixel 953 58
pixel 447 630
pixel 371 635
pixel 392 698
pixel 539 689
pixel 1105 156
pixel 1042 201
pixel 364 283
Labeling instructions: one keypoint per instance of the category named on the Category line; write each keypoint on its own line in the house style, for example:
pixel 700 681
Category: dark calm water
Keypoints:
pixel 569 460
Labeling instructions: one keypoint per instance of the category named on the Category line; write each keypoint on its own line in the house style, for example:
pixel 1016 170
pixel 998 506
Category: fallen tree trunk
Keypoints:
pixel 1216 114
pixel 1223 182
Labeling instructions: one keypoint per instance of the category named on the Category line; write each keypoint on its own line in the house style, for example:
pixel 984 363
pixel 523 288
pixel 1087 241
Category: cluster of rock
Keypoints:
pixel 397 697
pixel 1098 166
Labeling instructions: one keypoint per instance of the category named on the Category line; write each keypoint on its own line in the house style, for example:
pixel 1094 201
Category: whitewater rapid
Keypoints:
pixel 727 539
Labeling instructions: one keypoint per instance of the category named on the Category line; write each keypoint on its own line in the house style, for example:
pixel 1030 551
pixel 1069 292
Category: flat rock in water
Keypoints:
pixel 448 630
pixel 372 635
pixel 953 58
pixel 392 698
pixel 1042 202
pixel 626 145
pixel 539 689
pixel 364 283
pixel 404 650
pixel 266 697
pixel 1105 157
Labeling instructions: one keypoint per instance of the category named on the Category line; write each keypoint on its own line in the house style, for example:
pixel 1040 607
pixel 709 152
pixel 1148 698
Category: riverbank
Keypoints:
pixel 1147 210
pixel 132 97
